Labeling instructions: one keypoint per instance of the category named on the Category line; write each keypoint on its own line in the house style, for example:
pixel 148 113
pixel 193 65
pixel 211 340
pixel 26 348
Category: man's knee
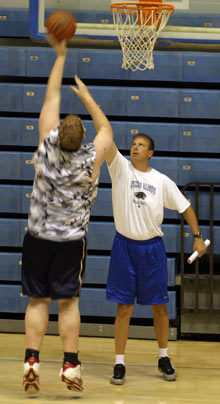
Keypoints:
pixel 65 303
pixel 159 310
pixel 40 301
pixel 124 310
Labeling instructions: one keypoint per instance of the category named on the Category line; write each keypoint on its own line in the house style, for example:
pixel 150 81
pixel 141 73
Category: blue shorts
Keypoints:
pixel 138 269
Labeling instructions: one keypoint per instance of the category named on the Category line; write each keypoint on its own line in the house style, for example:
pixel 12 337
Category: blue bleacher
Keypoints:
pixel 167 136
pixel 169 67
pixel 19 166
pixel 10 266
pixel 118 101
pixel 88 64
pixel 16 199
pixel 96 268
pixel 16 22
pixel 101 234
pixel 198 169
pixel 92 303
pixel 203 104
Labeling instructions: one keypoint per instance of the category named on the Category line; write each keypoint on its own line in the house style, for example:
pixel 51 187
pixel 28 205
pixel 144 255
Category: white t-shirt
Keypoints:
pixel 139 199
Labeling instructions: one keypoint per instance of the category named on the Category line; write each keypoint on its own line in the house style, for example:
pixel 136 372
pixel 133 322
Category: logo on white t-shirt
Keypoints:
pixel 142 191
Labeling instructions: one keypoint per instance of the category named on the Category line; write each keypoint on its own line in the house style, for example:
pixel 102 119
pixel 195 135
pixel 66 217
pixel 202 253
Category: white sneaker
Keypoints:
pixel 71 375
pixel 31 375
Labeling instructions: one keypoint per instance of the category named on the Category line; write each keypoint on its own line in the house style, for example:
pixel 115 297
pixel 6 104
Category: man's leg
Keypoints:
pixel 69 325
pixel 122 322
pixel 36 323
pixel 161 326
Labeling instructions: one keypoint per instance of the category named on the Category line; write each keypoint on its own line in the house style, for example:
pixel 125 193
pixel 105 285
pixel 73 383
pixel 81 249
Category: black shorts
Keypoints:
pixel 52 269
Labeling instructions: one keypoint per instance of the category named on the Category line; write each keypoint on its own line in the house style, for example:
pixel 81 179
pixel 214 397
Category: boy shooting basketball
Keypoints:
pixel 54 249
pixel 138 267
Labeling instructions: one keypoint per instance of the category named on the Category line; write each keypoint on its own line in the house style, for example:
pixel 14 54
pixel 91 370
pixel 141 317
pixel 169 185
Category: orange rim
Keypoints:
pixel 145 5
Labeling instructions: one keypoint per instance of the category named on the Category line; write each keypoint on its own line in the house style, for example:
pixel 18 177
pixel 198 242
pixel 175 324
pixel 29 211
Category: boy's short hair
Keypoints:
pixel 71 133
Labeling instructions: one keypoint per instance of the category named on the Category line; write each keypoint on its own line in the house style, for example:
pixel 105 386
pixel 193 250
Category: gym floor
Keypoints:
pixel 197 365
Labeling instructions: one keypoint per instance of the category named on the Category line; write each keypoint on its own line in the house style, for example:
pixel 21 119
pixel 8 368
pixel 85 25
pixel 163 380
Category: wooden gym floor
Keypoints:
pixel 197 364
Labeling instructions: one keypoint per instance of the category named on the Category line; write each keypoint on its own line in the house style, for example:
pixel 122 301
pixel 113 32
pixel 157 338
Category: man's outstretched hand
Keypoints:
pixel 81 90
pixel 59 47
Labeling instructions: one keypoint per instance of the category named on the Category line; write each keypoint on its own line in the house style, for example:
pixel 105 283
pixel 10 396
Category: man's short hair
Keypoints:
pixel 71 133
pixel 151 142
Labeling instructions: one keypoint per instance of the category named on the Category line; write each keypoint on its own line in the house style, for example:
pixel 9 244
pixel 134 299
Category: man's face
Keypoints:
pixel 140 149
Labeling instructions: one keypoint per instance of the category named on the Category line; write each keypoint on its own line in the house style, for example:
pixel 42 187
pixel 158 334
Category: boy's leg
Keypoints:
pixel 36 323
pixel 69 325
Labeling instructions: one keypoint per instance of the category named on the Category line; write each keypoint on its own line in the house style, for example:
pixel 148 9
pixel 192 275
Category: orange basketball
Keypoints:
pixel 61 24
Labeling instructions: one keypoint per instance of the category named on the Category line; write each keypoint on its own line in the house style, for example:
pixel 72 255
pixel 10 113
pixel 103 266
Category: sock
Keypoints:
pixel 71 358
pixel 163 352
pixel 119 359
pixel 31 353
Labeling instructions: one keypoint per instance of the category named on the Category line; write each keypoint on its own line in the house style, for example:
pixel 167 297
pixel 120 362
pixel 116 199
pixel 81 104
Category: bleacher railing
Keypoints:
pixel 200 304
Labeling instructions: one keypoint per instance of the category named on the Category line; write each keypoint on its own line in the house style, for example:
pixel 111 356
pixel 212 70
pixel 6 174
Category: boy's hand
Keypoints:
pixel 59 47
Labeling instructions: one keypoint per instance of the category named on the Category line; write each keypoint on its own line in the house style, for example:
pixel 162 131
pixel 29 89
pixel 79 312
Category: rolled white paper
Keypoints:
pixel 195 254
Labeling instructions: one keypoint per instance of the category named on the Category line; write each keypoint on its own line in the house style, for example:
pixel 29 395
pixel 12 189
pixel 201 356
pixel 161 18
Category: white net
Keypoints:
pixel 138 29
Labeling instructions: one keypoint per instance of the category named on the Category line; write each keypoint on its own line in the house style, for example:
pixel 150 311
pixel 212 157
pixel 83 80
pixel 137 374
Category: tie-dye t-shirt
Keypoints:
pixel 63 190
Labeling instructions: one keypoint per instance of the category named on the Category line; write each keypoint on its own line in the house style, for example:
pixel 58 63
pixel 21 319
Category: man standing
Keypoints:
pixel 54 249
pixel 138 265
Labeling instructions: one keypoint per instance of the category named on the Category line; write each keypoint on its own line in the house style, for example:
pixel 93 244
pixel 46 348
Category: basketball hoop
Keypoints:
pixel 138 25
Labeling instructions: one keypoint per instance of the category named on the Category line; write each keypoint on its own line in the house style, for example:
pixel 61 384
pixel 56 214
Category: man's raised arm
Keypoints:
pixel 50 112
pixel 104 138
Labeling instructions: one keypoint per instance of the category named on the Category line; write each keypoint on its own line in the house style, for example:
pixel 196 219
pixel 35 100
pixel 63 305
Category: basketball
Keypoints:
pixel 61 24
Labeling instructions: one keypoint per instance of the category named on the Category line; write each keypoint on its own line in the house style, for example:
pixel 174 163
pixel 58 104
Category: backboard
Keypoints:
pixel 195 21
